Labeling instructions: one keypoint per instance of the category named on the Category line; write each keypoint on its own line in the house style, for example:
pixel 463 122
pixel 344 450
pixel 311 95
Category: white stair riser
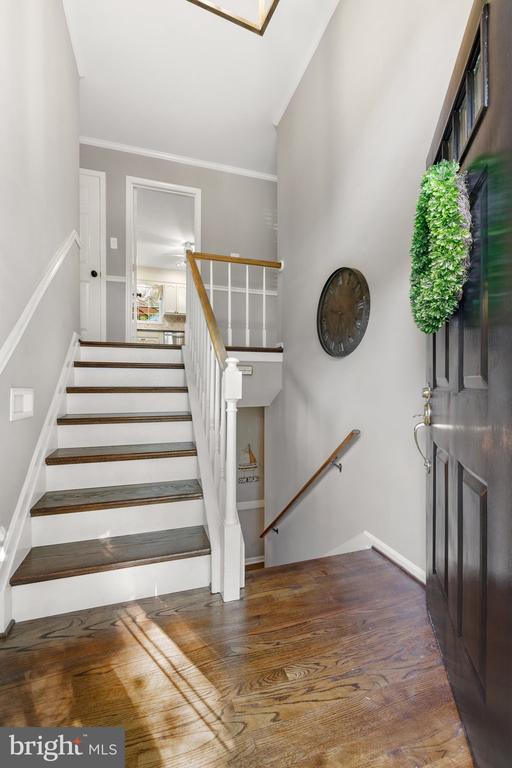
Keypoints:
pixel 86 435
pixel 131 354
pixel 101 523
pixel 129 377
pixel 67 476
pixel 50 598
pixel 127 403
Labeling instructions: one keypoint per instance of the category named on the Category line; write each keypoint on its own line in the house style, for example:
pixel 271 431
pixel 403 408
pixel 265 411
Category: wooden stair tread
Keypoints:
pixel 116 496
pixel 254 349
pixel 124 390
pixel 114 364
pixel 102 453
pixel 128 344
pixel 123 418
pixel 58 561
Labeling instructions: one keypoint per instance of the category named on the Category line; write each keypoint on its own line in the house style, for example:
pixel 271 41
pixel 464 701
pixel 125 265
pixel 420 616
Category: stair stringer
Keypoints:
pixel 213 513
pixel 18 540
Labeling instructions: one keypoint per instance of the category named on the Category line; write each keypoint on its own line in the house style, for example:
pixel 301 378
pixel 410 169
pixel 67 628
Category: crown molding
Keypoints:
pixel 182 159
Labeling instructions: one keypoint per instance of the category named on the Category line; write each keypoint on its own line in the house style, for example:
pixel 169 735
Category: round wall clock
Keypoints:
pixel 343 312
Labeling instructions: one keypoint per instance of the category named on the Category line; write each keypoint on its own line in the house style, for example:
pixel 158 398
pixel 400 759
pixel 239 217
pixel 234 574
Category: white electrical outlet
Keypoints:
pixel 113 243
pixel 22 403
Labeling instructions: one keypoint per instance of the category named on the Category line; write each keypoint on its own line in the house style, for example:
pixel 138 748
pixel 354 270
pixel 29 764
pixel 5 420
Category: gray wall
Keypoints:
pixel 238 212
pixel 38 147
pixel 351 151
pixel 38 210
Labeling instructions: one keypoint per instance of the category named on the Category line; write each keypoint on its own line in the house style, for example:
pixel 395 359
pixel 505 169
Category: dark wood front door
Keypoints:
pixel 469 522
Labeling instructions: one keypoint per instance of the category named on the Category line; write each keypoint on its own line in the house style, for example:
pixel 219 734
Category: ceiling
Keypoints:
pixel 169 76
pixel 165 222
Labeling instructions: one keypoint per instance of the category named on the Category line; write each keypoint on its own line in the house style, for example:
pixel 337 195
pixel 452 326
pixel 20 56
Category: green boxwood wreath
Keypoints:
pixel 440 246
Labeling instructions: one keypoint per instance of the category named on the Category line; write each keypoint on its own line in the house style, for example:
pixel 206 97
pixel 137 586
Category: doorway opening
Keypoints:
pixel 163 221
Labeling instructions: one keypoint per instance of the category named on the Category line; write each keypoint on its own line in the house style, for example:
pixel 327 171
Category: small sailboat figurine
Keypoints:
pixel 251 462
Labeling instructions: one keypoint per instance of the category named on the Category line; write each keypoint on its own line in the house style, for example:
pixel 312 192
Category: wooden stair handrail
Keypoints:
pixel 211 321
pixel 340 450
pixel 238 260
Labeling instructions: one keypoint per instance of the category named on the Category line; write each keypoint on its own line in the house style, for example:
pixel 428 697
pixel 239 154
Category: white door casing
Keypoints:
pixel 92 255
pixel 132 185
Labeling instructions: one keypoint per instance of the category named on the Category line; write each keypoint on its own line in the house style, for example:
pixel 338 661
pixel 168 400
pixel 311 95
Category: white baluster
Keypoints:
pixel 232 530
pixel 222 432
pixel 218 406
pixel 211 283
pixel 264 310
pixel 230 329
pixel 247 331
pixel 211 433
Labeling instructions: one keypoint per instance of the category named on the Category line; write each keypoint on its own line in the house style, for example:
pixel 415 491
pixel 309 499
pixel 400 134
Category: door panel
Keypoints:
pixel 469 491
pixel 92 255
pixel 473 606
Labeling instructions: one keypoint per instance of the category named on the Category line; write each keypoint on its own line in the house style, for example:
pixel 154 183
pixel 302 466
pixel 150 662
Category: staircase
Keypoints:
pixel 123 515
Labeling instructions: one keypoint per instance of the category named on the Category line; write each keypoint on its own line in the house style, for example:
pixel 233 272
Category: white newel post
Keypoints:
pixel 232 530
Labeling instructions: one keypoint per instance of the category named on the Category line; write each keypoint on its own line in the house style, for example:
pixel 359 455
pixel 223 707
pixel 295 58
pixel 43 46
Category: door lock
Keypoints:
pixel 94 273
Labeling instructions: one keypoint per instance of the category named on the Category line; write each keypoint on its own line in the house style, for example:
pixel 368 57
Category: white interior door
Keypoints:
pixel 92 255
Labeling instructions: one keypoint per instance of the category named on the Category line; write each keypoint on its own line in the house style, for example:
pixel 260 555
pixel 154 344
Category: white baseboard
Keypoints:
pixel 254 560
pixel 366 540
pixel 18 538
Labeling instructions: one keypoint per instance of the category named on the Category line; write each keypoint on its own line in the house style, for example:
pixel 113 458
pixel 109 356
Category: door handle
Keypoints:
pixel 94 273
pixel 426 461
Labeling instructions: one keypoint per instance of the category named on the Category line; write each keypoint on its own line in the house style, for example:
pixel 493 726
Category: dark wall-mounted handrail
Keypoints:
pixel 335 455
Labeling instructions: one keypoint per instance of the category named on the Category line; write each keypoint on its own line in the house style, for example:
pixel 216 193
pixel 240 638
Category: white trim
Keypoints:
pixel 8 347
pixel 132 184
pixel 414 570
pixel 18 539
pixel 102 177
pixel 244 505
pixel 254 560
pixel 115 278
pixel 258 357
pixel 365 540
pixel 211 505
pixel 182 159
pixel 301 71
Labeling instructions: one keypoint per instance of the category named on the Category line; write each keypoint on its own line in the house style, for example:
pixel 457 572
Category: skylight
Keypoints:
pixel 254 15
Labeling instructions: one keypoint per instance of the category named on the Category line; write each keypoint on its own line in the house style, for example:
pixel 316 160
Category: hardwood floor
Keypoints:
pixel 323 664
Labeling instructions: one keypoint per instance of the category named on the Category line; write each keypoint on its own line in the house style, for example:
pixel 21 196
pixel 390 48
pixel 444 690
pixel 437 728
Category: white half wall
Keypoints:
pixel 351 150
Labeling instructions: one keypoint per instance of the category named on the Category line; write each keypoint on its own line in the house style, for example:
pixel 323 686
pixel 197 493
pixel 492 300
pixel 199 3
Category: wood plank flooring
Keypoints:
pixel 58 561
pixel 325 664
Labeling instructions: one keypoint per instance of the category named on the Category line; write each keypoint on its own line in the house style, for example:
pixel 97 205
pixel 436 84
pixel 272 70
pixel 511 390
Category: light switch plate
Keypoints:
pixel 113 243
pixel 22 403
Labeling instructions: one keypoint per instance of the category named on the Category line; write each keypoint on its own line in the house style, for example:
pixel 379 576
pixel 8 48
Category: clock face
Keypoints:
pixel 343 312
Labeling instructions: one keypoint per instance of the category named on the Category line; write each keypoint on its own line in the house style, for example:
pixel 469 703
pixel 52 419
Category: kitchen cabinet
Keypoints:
pixel 181 304
pixel 175 299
